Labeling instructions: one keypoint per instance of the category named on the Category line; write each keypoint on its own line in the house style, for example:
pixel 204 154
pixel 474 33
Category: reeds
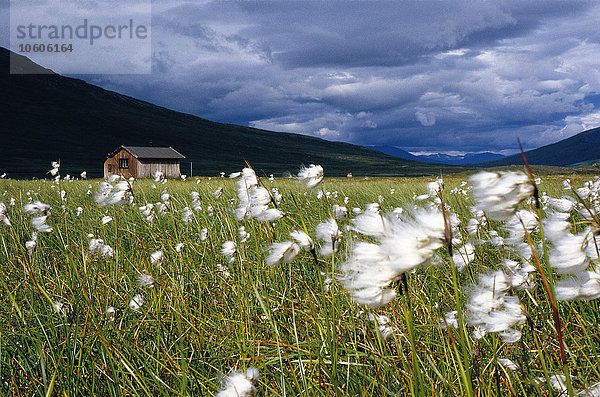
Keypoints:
pixel 188 298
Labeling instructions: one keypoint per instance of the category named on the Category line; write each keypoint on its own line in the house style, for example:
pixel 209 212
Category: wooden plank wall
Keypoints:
pixel 132 171
pixel 148 167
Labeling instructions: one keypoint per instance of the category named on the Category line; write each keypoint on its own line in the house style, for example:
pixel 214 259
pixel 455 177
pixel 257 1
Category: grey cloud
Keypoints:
pixel 429 76
pixel 427 120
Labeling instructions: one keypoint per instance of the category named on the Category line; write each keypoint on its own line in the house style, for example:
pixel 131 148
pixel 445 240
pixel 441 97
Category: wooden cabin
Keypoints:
pixel 143 162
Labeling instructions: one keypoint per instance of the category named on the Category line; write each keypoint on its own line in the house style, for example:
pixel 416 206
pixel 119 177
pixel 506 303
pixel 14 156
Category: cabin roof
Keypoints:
pixel 151 152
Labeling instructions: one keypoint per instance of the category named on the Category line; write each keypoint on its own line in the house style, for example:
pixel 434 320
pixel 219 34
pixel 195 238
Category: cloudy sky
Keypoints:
pixel 445 76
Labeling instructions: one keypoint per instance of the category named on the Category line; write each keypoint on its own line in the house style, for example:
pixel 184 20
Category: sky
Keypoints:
pixel 425 76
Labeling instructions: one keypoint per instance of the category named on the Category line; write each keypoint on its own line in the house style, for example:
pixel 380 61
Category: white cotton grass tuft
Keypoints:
pixel 111 313
pixel 37 207
pixel 284 252
pixel 302 239
pixel 436 187
pixel 156 258
pixel 217 193
pixel 39 222
pixel 97 247
pixel 55 167
pixel 107 219
pixel 568 255
pixel 61 308
pixel 517 224
pixel 339 212
pixel 381 322
pixel 4 214
pixel 508 364
pixel 370 223
pixel 31 244
pixel 254 200
pixel 113 192
pixel 159 176
pixel 373 207
pixel 136 302
pixel 564 204
pixel 269 215
pixel 592 391
pixel 581 286
pixel 223 270
pixel 43 211
pixel 276 195
pixel 499 193
pixel 462 256
pixel 450 320
pixel 145 280
pixel 557 382
pixel 196 204
pixel 571 253
pixel 329 232
pixel 186 215
pixel 366 275
pixel 583 192
pixel 311 175
pixel 473 226
pixel 229 249
pixel 247 180
pixel 259 199
pixel 327 280
pixel 240 384
pixel 495 239
pixel 556 225
pixel 203 234
pixel 404 244
pixel 491 310
pixel 148 211
pixel 522 276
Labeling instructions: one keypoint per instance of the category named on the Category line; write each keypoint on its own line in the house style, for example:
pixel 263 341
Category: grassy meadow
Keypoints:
pixel 68 326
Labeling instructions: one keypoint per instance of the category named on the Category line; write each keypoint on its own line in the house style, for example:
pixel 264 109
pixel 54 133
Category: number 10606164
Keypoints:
pixel 45 47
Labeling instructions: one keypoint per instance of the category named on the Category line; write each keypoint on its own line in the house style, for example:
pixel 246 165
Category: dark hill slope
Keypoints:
pixel 50 117
pixel 580 149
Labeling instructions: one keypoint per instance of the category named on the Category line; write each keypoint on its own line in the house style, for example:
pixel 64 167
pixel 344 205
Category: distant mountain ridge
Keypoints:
pixel 48 117
pixel 579 150
pixel 466 159
pixel 439 158
pixel 394 151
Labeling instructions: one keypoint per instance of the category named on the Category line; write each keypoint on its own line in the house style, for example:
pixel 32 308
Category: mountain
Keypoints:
pixel 468 158
pixel 396 152
pixel 48 117
pixel 439 158
pixel 579 150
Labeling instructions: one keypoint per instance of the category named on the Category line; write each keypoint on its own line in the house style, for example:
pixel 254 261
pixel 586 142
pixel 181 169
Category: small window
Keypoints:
pixel 123 163
pixel 109 168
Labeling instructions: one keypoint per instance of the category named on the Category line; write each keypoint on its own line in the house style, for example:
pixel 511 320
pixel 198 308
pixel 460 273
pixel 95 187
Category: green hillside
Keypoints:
pixel 50 117
pixel 582 149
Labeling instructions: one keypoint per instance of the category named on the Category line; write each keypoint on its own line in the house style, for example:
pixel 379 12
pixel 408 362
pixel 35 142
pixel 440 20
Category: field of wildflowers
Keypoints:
pixel 243 285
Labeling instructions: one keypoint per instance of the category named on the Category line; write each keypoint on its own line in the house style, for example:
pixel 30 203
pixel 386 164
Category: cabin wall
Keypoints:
pixel 148 167
pixel 113 161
